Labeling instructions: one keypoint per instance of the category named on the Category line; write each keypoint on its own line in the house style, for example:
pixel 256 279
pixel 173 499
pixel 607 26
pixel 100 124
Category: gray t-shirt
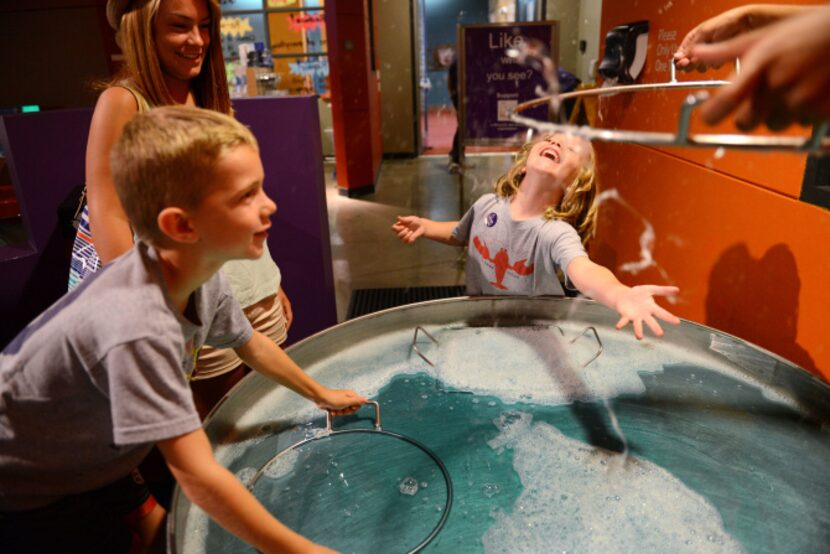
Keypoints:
pixel 94 381
pixel 514 257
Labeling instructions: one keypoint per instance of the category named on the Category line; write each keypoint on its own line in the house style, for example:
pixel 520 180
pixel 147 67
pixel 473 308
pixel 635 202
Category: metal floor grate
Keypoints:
pixel 366 301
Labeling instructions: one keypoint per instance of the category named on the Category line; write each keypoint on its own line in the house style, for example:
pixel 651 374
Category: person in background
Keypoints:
pixel 90 385
pixel 784 76
pixel 172 56
pixel 534 228
pixel 454 165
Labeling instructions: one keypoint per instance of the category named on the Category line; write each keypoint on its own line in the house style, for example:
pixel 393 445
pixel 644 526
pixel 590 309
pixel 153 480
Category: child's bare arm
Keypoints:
pixel 214 489
pixel 261 354
pixel 410 228
pixel 634 304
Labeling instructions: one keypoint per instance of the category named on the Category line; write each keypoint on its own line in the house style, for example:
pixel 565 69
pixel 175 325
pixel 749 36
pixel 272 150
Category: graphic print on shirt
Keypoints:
pixel 500 262
pixel 190 362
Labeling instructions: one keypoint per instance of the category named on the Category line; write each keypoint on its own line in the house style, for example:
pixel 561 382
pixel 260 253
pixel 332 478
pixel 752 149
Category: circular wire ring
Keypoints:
pixel 447 505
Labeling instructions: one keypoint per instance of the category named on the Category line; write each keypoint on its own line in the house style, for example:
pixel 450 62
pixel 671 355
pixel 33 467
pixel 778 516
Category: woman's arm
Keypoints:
pixel 261 354
pixel 635 305
pixel 214 489
pixel 285 305
pixel 110 227
pixel 410 228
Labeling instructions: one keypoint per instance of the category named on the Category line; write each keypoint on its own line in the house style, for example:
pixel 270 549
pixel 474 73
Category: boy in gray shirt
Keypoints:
pixel 93 383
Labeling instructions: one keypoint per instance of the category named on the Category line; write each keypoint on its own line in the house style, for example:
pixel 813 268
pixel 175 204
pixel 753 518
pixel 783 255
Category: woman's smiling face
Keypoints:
pixel 560 156
pixel 182 36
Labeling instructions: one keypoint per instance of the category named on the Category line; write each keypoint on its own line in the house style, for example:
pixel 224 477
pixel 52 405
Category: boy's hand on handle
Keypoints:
pixel 340 402
pixel 636 305
pixel 409 228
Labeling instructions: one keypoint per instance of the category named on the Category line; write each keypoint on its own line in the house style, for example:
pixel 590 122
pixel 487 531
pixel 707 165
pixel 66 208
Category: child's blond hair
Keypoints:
pixel 141 62
pixel 166 158
pixel 577 206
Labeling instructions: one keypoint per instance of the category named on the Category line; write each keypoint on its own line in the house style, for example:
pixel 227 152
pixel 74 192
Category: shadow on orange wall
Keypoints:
pixel 765 290
pixel 727 227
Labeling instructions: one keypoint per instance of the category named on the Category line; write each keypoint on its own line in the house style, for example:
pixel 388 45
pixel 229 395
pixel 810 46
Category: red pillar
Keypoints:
pixel 355 96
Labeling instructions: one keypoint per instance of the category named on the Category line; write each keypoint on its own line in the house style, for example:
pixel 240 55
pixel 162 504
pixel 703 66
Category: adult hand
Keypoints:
pixel 409 228
pixel 636 305
pixel 784 77
pixel 286 308
pixel 719 28
pixel 340 402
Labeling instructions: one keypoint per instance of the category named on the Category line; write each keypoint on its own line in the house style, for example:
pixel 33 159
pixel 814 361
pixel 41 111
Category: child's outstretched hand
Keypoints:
pixel 636 305
pixel 341 402
pixel 409 228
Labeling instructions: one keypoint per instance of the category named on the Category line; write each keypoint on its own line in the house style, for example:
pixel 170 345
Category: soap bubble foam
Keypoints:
pixel 580 499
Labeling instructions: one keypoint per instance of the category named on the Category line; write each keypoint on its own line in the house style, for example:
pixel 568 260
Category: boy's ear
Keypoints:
pixel 176 224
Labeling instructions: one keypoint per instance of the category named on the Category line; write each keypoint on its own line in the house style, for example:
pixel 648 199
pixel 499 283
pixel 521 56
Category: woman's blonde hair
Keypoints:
pixel 143 69
pixel 577 206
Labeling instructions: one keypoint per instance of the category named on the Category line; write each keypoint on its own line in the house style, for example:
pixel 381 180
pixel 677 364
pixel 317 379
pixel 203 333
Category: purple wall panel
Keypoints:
pixel 45 153
pixel 288 131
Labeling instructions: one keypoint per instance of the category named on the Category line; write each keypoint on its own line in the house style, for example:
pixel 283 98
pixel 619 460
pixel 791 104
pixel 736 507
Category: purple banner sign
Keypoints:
pixel 493 83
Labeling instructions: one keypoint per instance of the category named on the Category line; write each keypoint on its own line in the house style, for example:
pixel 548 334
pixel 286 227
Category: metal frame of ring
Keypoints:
pixel 377 429
pixel 818 142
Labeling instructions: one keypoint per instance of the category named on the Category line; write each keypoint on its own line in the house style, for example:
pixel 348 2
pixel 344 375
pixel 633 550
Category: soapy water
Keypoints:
pixel 579 499
pixel 409 486
pixel 517 373
pixel 535 364
pixel 574 489
pixel 282 465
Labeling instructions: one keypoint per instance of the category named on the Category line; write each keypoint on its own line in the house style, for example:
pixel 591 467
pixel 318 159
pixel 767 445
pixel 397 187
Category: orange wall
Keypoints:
pixel 749 257
pixel 355 101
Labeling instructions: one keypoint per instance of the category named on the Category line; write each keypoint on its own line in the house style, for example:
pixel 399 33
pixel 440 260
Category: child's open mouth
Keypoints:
pixel 552 155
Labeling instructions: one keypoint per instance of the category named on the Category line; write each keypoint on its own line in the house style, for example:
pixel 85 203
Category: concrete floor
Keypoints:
pixel 365 251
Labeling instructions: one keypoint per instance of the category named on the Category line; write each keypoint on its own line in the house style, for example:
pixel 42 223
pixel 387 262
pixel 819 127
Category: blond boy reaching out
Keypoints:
pixel 102 374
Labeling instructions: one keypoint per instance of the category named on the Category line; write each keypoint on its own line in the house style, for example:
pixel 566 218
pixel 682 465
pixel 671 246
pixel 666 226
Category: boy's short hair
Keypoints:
pixel 165 157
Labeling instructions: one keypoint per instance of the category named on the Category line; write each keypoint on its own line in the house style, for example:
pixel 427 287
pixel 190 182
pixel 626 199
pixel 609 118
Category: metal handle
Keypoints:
pixel 599 342
pixel 375 403
pixel 579 336
pixel 415 346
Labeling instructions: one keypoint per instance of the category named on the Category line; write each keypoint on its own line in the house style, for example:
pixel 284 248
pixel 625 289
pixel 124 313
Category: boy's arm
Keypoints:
pixel 635 305
pixel 410 228
pixel 263 355
pixel 214 489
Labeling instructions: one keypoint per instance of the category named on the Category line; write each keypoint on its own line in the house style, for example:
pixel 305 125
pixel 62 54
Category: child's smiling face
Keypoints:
pixel 560 156
pixel 233 219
